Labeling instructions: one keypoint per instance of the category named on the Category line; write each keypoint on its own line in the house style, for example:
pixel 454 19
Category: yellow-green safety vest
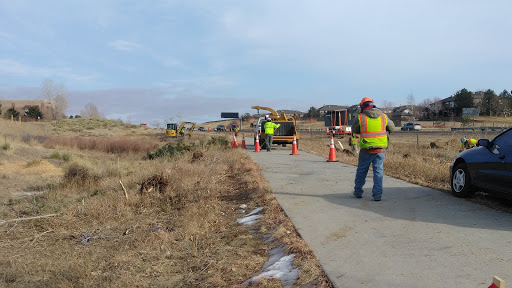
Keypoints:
pixel 269 127
pixel 373 131
pixel 470 143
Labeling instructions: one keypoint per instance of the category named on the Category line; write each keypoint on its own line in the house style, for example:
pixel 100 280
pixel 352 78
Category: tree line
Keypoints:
pixel 492 104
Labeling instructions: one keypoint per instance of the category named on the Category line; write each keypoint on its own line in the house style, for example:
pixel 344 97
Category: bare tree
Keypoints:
pixel 411 100
pixel 387 104
pixel 90 111
pixel 436 106
pixel 58 95
pixel 425 103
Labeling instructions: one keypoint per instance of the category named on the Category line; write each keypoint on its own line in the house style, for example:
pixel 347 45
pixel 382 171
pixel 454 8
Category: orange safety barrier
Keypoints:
pixel 294 146
pixel 234 144
pixel 257 143
pixel 332 151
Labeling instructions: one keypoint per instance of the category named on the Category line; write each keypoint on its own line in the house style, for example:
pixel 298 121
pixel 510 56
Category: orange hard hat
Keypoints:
pixel 365 99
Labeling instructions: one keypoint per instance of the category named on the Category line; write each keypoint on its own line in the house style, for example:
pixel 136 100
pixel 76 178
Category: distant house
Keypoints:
pixel 446 107
pixel 439 109
pixel 402 113
pixel 327 108
pixel 44 106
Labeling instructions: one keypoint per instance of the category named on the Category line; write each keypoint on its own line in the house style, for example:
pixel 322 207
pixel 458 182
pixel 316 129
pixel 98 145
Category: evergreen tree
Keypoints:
pixel 313 113
pixel 505 99
pixel 12 112
pixel 33 112
pixel 463 99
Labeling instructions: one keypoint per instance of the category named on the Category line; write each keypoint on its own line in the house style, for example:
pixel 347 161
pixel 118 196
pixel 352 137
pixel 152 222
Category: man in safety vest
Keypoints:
pixel 467 143
pixel 353 143
pixel 373 126
pixel 269 133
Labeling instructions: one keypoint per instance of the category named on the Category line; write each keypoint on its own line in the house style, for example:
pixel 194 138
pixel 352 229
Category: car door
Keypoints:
pixel 495 172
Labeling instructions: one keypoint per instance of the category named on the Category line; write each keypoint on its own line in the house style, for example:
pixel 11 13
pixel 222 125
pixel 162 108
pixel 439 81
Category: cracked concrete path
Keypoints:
pixel 414 237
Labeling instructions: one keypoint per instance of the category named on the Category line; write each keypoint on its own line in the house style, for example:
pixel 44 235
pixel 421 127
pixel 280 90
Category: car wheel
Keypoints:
pixel 461 181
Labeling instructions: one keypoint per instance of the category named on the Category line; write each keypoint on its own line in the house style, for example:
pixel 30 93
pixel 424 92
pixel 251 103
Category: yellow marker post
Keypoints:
pixel 496 281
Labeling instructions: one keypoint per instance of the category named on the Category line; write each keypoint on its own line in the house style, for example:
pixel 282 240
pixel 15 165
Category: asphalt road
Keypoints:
pixel 414 237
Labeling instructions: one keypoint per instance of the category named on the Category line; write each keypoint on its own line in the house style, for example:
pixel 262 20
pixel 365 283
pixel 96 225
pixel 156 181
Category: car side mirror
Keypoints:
pixel 483 142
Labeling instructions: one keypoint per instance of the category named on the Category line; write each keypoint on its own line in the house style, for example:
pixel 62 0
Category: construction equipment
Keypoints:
pixel 173 130
pixel 282 135
pixel 339 121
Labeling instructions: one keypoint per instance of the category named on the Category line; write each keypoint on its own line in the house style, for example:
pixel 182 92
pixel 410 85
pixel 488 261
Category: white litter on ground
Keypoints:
pixel 279 266
pixel 250 218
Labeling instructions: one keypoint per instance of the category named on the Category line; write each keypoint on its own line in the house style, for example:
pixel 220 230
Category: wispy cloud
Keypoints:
pixel 124 45
pixel 12 67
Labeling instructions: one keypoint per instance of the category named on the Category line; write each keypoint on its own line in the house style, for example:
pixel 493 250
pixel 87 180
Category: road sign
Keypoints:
pixel 229 115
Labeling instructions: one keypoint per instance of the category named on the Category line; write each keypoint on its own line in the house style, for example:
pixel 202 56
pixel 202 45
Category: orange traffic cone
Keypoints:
pixel 332 151
pixel 235 144
pixel 243 142
pixel 294 146
pixel 327 131
pixel 257 143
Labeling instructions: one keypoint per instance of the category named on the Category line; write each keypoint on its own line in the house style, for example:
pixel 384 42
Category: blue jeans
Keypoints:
pixel 365 159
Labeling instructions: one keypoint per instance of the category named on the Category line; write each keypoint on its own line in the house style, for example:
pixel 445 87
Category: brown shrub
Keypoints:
pixel 76 174
pixel 157 183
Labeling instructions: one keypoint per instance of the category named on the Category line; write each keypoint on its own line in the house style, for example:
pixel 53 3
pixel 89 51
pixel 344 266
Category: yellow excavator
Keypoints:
pixel 173 130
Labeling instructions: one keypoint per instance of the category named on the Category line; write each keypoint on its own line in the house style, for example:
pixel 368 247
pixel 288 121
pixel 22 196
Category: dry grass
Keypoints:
pixel 107 145
pixel 177 228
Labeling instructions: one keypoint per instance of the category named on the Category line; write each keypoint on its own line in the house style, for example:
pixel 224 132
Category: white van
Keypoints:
pixel 257 128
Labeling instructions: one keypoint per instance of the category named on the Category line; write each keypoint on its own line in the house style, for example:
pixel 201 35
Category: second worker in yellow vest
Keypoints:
pixel 269 133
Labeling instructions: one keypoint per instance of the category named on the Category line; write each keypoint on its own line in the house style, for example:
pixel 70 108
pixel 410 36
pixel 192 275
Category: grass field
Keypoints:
pixel 82 205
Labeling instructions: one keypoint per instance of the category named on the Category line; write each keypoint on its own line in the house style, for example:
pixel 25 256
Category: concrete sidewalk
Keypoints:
pixel 414 237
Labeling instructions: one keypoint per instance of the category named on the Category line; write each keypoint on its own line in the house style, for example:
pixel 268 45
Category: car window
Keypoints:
pixel 504 140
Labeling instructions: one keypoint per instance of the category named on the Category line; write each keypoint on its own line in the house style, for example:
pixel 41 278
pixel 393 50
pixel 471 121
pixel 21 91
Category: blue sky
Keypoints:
pixel 151 61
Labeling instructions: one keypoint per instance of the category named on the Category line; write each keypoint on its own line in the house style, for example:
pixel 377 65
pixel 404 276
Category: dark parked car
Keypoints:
pixel 201 129
pixel 411 127
pixel 220 128
pixel 487 167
